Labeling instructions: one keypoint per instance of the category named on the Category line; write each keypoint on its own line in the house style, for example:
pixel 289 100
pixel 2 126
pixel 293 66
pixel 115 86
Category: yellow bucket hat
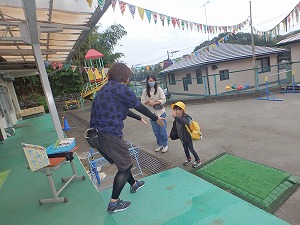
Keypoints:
pixel 179 104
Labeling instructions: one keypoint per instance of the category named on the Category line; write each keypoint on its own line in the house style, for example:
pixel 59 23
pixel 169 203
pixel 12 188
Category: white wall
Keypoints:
pixel 295 57
pixel 217 86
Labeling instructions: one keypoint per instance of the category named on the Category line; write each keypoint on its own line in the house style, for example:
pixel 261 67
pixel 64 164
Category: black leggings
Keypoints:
pixel 188 147
pixel 120 180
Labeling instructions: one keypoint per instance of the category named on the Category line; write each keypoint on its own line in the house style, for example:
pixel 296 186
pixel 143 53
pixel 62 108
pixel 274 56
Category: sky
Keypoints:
pixel 149 43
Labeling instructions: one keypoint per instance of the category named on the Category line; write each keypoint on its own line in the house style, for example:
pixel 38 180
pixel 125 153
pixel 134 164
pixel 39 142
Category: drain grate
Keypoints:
pixel 151 164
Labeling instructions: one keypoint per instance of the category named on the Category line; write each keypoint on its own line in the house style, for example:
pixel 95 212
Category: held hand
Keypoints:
pixel 143 121
pixel 150 103
pixel 160 121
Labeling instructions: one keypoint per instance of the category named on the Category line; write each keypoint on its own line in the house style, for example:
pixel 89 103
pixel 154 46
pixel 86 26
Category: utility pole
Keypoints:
pixel 253 49
pixel 204 5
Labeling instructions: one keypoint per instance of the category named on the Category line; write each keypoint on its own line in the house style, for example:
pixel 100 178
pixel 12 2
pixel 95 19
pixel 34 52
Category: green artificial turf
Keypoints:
pixel 259 184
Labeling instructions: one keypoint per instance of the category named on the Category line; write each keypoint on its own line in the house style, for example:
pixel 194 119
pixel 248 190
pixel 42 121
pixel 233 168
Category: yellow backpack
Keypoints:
pixel 194 129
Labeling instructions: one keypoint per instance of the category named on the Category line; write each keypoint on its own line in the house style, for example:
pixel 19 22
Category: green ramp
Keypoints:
pixel 3 176
pixel 178 197
pixel 261 185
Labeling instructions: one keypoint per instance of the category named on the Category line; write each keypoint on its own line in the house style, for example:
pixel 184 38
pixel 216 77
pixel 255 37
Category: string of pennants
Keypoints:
pixel 176 22
pixel 67 66
pixel 198 53
pixel 287 22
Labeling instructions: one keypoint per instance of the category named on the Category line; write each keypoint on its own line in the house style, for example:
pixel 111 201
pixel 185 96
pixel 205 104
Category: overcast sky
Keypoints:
pixel 147 44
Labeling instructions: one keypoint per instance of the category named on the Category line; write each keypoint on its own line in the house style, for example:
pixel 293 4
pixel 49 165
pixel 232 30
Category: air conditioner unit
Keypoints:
pixel 214 67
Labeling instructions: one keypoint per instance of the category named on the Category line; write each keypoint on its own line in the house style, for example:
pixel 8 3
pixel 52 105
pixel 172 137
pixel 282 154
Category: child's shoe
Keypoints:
pixel 187 162
pixel 196 164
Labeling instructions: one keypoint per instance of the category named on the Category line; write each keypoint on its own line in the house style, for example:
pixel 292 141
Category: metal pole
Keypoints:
pixel 204 5
pixel 253 50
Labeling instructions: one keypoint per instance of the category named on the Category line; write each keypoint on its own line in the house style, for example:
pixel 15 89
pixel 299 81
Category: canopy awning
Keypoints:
pixel 61 27
pixel 35 31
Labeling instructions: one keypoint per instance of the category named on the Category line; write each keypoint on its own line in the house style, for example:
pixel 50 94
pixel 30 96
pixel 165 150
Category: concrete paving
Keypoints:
pixel 266 132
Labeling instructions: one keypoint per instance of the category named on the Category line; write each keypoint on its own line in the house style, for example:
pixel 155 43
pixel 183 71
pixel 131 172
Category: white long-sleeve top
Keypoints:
pixel 160 96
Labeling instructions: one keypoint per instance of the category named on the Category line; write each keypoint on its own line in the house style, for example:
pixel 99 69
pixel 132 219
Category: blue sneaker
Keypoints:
pixel 137 186
pixel 118 206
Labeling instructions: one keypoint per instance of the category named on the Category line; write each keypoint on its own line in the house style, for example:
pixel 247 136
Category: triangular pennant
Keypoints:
pixel 131 9
pixel 113 4
pixel 148 68
pixel 60 65
pixel 90 2
pixel 73 68
pixel 161 65
pixel 148 14
pixel 178 22
pixel 67 66
pixel 81 69
pixel 182 24
pixel 101 3
pixel 162 19
pixel 54 65
pixel 154 15
pixel 169 20
pixel 141 12
pixel 174 22
pixel 191 25
pixel 122 7
pixel 46 63
pixel 86 69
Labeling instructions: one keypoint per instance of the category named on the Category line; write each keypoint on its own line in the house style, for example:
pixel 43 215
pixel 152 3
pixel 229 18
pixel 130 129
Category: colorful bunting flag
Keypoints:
pixel 54 65
pixel 113 4
pixel 46 63
pixel 148 14
pixel 101 3
pixel 162 19
pixel 131 9
pixel 141 12
pixel 122 7
pixel 73 68
pixel 154 15
pixel 67 66
pixel 90 2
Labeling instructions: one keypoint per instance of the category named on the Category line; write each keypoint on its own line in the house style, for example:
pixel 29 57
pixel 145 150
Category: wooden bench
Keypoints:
pixel 32 111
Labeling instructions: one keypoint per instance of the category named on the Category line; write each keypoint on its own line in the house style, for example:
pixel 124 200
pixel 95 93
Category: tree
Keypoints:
pixel 102 42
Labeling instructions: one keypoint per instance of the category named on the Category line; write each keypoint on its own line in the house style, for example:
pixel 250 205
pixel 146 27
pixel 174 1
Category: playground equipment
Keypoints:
pixel 268 92
pixel 96 74
pixel 294 88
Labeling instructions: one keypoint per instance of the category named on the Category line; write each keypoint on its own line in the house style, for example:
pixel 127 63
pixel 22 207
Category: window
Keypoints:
pixel 263 65
pixel 199 76
pixel 171 78
pixel 189 78
pixel 224 75
pixel 185 82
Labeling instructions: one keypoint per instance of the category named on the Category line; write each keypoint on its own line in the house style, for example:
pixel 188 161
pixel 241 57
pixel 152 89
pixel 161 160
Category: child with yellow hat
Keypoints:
pixel 179 131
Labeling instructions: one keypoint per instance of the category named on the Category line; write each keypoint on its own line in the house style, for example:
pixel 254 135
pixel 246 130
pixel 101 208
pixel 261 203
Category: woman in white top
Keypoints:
pixel 154 98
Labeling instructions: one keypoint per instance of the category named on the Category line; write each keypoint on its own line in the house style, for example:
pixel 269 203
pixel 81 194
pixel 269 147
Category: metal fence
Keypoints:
pixel 248 80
